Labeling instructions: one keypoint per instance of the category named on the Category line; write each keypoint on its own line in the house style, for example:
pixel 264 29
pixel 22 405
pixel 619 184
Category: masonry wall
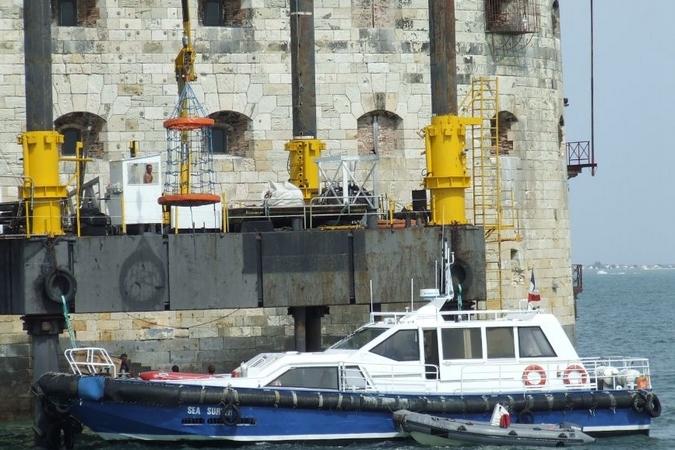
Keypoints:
pixel 371 56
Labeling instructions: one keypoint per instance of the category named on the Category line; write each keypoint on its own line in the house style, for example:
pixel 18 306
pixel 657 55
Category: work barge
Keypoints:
pixel 336 249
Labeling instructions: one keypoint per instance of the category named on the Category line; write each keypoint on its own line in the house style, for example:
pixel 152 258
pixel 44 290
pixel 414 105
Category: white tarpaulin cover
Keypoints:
pixel 282 195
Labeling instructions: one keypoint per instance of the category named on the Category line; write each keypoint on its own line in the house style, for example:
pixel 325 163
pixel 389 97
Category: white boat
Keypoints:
pixel 454 364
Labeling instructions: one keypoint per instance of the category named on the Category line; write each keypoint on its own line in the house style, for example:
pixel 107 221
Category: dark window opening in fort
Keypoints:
pixel 511 16
pixel 75 13
pixel 219 141
pixel 223 13
pixel 561 130
pixel 555 19
pixel 379 133
pixel 502 133
pixel 67 14
pixel 81 126
pixel 231 134
pixel 70 138
pixel 375 13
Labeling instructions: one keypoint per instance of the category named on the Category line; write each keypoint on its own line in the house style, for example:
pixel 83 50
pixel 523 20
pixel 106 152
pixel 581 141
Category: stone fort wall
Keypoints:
pixel 372 65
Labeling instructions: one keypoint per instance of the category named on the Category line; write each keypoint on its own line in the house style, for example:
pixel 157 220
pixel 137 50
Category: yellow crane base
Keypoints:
pixel 42 190
pixel 447 175
pixel 304 172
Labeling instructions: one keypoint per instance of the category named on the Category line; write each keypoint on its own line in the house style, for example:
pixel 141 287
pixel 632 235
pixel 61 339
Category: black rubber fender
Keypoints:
pixel 60 282
pixel 639 400
pixel 652 404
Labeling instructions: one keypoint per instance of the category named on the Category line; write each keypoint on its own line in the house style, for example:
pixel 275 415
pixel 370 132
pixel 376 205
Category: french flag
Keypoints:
pixel 533 293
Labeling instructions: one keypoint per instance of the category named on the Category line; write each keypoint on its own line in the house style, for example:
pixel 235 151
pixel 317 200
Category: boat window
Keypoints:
pixel 352 378
pixel 359 338
pixel 500 342
pixel 401 346
pixel 533 343
pixel 462 343
pixel 308 377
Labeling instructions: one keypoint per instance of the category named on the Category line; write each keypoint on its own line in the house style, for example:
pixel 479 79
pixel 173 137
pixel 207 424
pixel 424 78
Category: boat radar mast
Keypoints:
pixel 437 297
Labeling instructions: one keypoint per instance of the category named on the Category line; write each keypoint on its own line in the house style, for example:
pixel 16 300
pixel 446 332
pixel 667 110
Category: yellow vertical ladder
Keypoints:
pixel 494 206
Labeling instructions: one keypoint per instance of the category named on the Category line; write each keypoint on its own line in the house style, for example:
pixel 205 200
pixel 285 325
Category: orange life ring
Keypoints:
pixel 578 368
pixel 534 368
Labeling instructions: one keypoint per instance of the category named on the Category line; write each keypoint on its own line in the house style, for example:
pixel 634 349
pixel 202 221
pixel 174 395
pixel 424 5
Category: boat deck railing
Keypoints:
pixel 455 316
pixel 494 376
pixel 90 361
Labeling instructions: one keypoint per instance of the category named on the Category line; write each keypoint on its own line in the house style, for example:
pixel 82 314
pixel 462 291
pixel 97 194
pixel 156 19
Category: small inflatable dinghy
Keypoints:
pixel 432 430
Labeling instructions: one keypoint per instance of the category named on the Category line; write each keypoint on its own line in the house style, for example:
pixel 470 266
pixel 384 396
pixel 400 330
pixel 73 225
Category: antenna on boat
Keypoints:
pixel 448 260
pixel 371 296
pixel 412 295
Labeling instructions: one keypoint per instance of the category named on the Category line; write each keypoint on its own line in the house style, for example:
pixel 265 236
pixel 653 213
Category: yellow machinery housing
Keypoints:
pixel 42 191
pixel 303 169
pixel 447 175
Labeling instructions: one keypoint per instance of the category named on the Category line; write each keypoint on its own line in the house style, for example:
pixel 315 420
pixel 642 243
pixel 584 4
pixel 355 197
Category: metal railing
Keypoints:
pixel 555 375
pixel 451 316
pixel 513 376
pixel 577 279
pixel 580 154
pixel 90 361
pixel 360 205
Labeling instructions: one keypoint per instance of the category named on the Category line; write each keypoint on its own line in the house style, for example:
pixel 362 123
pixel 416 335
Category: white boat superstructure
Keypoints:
pixel 435 351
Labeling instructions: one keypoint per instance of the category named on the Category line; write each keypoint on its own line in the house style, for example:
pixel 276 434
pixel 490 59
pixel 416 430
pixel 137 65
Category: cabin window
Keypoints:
pixel 309 377
pixel 359 338
pixel 533 343
pixel 401 346
pixel 462 343
pixel 500 342
pixel 352 378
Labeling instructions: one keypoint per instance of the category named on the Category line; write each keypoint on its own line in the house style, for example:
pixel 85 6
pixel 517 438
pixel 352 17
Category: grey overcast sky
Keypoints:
pixel 626 213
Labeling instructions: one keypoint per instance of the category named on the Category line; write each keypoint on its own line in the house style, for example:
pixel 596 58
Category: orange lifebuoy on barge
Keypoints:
pixel 536 369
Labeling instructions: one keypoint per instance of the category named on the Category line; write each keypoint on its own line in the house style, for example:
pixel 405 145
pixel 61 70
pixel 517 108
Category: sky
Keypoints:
pixel 625 214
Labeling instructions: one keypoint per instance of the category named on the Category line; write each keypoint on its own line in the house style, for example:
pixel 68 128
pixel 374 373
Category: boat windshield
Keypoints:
pixel 359 338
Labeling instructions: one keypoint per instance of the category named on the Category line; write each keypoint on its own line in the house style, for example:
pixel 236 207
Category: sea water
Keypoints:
pixel 630 313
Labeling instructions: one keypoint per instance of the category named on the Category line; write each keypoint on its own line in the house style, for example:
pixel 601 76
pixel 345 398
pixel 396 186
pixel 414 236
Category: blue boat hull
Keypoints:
pixel 113 420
